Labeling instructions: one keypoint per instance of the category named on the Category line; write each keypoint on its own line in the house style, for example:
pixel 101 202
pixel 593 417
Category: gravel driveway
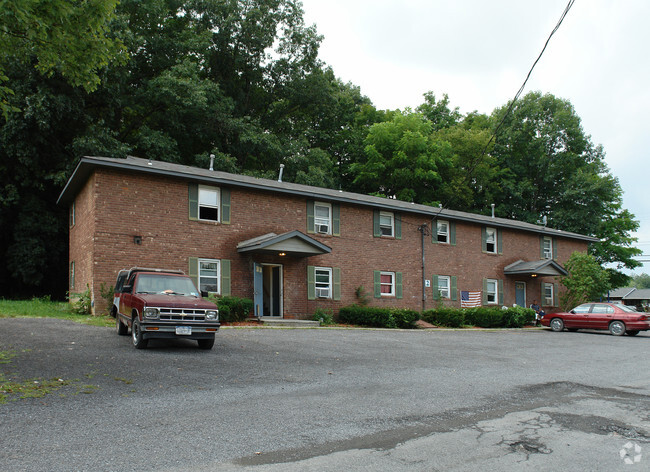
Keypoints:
pixel 324 399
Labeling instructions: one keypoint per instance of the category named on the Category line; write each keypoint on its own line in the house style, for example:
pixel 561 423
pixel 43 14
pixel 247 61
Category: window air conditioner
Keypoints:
pixel 323 228
pixel 323 292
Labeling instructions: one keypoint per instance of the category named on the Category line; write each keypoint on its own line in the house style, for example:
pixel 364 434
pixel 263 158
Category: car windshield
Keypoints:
pixel 628 309
pixel 159 283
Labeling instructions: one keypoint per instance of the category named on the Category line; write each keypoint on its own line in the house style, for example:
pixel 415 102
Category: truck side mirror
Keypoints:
pixel 127 288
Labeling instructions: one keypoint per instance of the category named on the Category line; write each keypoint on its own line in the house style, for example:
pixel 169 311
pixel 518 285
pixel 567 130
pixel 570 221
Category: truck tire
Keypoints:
pixel 205 343
pixel 136 335
pixel 122 329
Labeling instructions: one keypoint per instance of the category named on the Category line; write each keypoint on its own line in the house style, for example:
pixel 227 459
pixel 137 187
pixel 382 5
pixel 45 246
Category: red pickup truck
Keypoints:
pixel 157 303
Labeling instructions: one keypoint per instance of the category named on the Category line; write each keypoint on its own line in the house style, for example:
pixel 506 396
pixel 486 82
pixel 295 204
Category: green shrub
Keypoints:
pixel 325 316
pixel 445 316
pixel 517 317
pixel 484 317
pixel 231 308
pixel 378 317
pixel 81 302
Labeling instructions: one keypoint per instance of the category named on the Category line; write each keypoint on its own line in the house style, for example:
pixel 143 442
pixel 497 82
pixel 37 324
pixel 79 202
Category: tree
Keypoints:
pixel 403 160
pixel 641 281
pixel 549 167
pixel 57 36
pixel 587 280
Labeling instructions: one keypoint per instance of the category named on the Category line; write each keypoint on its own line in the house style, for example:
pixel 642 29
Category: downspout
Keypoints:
pixel 424 230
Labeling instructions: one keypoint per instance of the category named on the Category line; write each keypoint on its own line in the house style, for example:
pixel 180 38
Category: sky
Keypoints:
pixel 479 53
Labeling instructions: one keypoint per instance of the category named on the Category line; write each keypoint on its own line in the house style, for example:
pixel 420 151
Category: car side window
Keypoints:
pixel 598 308
pixel 582 308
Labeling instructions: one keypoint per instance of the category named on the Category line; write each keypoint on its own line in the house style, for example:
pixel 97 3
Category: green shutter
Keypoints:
pixel 500 285
pixel 434 284
pixel 499 241
pixel 454 288
pixel 398 284
pixel 311 282
pixel 194 271
pixel 555 295
pixel 554 243
pixel 376 230
pixel 485 300
pixel 336 219
pixel 225 206
pixel 452 233
pixel 225 277
pixel 310 216
pixel 377 280
pixel 336 283
pixel 541 247
pixel 194 201
pixel 484 239
pixel 434 231
pixel 398 226
pixel 542 297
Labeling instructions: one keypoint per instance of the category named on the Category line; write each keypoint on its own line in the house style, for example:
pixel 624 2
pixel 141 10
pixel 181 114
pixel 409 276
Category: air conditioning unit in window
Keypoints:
pixel 323 229
pixel 323 292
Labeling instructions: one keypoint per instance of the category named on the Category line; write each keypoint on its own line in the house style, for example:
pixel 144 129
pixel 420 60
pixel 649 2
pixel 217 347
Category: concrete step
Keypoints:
pixel 289 323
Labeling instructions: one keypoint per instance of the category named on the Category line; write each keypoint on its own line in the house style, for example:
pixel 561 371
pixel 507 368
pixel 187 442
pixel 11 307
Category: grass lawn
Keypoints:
pixel 44 308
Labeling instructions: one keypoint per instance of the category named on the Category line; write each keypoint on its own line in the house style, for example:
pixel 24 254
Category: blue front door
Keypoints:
pixel 258 289
pixel 520 294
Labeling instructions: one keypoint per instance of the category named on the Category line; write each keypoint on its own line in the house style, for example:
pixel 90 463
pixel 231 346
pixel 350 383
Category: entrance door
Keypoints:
pixel 520 294
pixel 268 290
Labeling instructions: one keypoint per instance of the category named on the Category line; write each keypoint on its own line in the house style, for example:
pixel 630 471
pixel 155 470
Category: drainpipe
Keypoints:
pixel 424 229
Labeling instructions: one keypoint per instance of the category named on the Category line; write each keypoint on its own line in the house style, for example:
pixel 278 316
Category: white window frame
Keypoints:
pixel 492 296
pixel 72 274
pixel 320 221
pixel 391 284
pixel 440 225
pixel 390 227
pixel 548 288
pixel 444 289
pixel 204 191
pixel 547 251
pixel 323 289
pixel 73 215
pixel 491 236
pixel 218 276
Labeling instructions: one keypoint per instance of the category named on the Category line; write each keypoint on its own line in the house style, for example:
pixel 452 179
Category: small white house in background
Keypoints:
pixel 638 297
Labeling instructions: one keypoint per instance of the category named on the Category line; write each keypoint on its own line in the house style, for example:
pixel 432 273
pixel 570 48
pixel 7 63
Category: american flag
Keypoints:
pixel 470 299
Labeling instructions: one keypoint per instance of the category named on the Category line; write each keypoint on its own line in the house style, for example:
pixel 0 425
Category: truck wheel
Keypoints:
pixel 122 329
pixel 136 335
pixel 205 343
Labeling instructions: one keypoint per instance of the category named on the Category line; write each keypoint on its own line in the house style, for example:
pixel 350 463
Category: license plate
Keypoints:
pixel 183 330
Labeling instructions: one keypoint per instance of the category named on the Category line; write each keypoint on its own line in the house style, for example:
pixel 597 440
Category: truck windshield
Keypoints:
pixel 159 283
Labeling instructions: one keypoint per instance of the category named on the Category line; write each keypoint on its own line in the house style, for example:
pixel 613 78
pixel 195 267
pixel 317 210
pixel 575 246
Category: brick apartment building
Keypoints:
pixel 295 248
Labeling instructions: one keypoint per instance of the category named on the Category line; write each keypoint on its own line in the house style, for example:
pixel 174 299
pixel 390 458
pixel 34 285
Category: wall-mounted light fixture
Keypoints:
pixel 282 254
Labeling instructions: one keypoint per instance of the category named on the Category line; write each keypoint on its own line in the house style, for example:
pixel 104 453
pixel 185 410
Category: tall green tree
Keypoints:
pixel 549 167
pixel 587 280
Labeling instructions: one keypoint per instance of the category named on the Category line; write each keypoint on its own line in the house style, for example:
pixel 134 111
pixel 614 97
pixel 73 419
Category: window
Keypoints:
pixel 323 282
pixel 444 286
pixel 443 231
pixel 72 274
pixel 209 275
pixel 322 218
pixel 491 240
pixel 548 295
pixel 387 223
pixel 547 248
pixel 582 309
pixel 602 308
pixel 208 203
pixel 492 291
pixel 72 214
pixel 387 284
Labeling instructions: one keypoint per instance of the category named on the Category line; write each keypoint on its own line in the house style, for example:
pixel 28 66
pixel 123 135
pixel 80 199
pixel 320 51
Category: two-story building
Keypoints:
pixel 295 248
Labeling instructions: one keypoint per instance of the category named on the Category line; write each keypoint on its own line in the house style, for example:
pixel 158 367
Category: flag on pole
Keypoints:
pixel 470 299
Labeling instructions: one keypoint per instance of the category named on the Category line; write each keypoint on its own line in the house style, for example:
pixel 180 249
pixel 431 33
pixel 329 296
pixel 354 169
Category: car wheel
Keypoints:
pixel 122 329
pixel 136 335
pixel 617 328
pixel 632 332
pixel 557 324
pixel 205 343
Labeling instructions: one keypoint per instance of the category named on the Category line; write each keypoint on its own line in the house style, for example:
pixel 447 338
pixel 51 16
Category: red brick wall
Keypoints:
pixel 156 209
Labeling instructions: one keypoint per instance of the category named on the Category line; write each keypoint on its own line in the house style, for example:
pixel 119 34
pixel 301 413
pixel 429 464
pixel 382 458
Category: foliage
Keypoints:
pixel 58 36
pixel 107 293
pixel 484 317
pixel 362 295
pixel 324 316
pixel 378 317
pixel 586 281
pixel 641 281
pixel 82 302
pixel 231 308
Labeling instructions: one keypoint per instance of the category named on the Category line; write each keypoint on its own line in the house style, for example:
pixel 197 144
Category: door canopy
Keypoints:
pixel 293 243
pixel 541 268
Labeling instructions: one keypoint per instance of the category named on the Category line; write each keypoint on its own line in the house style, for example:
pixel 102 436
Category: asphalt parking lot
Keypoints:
pixel 327 399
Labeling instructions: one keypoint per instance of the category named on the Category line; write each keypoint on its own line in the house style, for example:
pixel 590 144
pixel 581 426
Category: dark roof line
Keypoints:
pixel 87 165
